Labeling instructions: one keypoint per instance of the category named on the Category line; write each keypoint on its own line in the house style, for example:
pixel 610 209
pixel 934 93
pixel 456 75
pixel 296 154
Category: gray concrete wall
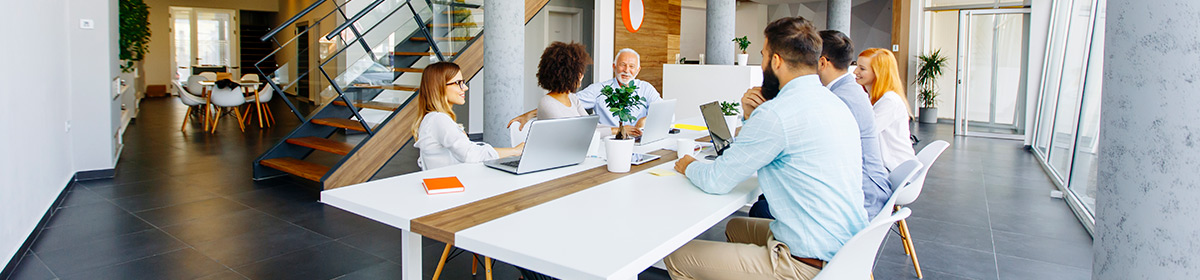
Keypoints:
pixel 504 57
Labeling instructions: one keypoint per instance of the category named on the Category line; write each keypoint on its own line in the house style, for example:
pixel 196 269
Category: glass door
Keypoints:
pixel 203 37
pixel 990 96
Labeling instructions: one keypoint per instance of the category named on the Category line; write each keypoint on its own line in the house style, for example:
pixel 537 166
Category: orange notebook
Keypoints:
pixel 442 185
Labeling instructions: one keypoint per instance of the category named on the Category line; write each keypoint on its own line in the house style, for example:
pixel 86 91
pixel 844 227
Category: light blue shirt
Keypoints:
pixel 805 146
pixel 876 188
pixel 591 98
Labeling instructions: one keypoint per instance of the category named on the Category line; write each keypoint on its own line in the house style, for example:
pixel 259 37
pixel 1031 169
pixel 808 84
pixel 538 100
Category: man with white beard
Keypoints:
pixel 626 66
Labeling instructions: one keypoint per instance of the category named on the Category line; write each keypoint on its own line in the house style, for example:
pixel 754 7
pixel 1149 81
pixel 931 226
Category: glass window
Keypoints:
pixel 1070 87
pixel 1083 170
pixel 1051 75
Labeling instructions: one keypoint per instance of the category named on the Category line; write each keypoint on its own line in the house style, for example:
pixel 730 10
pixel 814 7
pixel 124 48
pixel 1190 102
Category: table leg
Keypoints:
pixel 410 255
pixel 258 106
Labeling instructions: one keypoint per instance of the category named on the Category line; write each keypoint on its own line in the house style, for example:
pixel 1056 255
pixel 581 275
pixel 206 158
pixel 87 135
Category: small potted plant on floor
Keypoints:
pixel 742 43
pixel 621 100
pixel 731 110
pixel 928 70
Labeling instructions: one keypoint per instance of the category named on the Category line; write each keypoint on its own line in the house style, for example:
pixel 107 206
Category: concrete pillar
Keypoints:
pixel 1148 185
pixel 718 44
pixel 504 58
pixel 838 16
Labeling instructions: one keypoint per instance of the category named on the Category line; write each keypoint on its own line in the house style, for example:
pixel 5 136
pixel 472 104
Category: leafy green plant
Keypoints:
pixel 621 100
pixel 929 68
pixel 730 108
pixel 135 32
pixel 742 42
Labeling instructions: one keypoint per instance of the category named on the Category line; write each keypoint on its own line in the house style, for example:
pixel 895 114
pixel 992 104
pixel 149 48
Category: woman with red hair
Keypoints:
pixel 878 75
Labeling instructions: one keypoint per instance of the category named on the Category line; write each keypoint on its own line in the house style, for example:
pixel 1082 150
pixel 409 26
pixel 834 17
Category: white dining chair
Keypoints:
pixel 908 194
pixel 225 99
pixel 209 76
pixel 856 258
pixel 193 85
pixel 250 78
pixel 264 99
pixel 189 100
pixel 900 178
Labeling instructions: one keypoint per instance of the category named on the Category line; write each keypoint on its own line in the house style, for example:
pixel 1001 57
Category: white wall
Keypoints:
pixel 64 76
pixel 691 32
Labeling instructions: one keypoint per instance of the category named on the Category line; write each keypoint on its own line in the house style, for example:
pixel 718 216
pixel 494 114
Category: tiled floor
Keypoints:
pixel 183 206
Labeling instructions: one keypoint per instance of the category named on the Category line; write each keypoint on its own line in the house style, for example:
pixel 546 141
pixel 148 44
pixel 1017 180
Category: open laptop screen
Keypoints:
pixel 714 119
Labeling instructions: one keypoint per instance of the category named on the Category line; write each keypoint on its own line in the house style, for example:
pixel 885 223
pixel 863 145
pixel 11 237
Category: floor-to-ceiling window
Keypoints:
pixel 202 37
pixel 1068 116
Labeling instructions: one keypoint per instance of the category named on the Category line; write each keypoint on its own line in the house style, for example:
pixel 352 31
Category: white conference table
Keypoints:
pixel 614 230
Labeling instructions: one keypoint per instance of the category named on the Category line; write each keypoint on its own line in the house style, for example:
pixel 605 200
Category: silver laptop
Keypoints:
pixel 658 122
pixel 551 144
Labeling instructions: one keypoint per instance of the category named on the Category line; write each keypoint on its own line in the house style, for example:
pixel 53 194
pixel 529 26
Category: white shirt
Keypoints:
pixel 550 108
pixel 443 143
pixel 891 120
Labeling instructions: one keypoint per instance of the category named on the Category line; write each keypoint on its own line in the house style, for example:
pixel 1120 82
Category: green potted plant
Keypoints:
pixel 731 110
pixel 619 149
pixel 134 30
pixel 929 68
pixel 742 43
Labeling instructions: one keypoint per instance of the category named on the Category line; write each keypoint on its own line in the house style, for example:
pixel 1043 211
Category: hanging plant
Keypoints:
pixel 135 32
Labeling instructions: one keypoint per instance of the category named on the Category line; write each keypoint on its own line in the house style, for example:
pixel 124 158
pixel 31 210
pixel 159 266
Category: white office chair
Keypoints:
pixel 909 193
pixel 856 259
pixel 250 78
pixel 189 100
pixel 209 76
pixel 264 98
pixel 228 98
pixel 901 179
pixel 193 85
pixel 516 135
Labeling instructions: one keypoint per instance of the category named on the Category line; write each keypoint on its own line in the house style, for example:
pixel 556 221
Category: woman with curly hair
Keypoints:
pixel 560 71
pixel 440 139
pixel 877 73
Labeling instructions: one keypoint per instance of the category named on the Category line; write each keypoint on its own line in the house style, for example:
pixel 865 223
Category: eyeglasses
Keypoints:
pixel 462 84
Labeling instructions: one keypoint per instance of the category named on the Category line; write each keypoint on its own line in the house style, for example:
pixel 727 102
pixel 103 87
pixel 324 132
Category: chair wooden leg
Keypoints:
pixel 215 121
pixel 246 113
pixel 907 237
pixel 474 263
pixel 487 267
pixel 238 114
pixel 442 262
pixel 186 116
pixel 270 116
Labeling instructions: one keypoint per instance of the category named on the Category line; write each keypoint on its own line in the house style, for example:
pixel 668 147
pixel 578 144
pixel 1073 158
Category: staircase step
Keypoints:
pixel 457 38
pixel 421 53
pixel 341 148
pixel 389 87
pixel 409 70
pixel 457 12
pixel 341 123
pixel 456 24
pixel 303 169
pixel 385 106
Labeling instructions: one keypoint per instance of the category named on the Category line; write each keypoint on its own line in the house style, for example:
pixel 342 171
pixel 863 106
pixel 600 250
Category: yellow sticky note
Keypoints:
pixel 663 172
pixel 690 127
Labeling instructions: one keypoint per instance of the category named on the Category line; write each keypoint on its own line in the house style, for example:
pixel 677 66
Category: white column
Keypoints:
pixel 503 56
pixel 721 18
pixel 838 16
pixel 1148 184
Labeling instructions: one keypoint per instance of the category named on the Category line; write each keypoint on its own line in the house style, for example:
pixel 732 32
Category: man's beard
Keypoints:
pixel 770 83
pixel 622 78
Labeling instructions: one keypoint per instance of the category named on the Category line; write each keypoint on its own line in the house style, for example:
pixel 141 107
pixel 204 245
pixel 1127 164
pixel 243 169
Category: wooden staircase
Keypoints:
pixel 360 162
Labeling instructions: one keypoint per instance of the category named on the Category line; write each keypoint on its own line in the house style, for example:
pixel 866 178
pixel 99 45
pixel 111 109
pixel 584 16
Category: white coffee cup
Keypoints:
pixel 684 147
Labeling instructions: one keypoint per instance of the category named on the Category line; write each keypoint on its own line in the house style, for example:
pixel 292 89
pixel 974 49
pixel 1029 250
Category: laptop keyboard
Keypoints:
pixel 513 164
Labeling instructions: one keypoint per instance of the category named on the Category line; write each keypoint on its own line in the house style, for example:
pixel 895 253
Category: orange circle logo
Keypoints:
pixel 632 13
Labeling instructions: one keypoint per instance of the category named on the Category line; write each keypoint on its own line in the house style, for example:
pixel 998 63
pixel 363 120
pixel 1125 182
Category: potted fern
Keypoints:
pixel 619 149
pixel 930 67
pixel 731 110
pixel 742 43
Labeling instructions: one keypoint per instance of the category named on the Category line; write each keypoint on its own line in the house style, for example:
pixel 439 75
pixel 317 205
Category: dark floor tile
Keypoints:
pixel 119 191
pixel 182 213
pixel 162 198
pixel 1020 268
pixel 80 195
pixel 978 238
pixel 324 261
pixel 279 199
pixel 259 244
pixel 211 228
pixel 31 268
pixel 99 253
pixel 85 213
pixel 975 215
pixel 383 270
pixel 383 242
pixel 336 223
pixel 79 233
pixel 1052 224
pixel 228 274
pixel 936 256
pixel 888 270
pixel 180 264
pixel 1075 253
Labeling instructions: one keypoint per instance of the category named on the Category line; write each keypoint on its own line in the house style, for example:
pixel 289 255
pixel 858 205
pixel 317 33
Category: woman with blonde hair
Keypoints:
pixel 440 139
pixel 878 75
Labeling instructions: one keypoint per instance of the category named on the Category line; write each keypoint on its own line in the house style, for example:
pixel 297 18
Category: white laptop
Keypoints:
pixel 658 122
pixel 551 144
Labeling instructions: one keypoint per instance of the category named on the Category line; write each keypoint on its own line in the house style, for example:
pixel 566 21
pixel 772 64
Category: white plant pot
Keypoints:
pixel 742 59
pixel 733 122
pixel 619 154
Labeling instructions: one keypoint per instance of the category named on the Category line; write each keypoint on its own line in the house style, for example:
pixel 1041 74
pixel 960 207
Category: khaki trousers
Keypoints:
pixel 751 253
